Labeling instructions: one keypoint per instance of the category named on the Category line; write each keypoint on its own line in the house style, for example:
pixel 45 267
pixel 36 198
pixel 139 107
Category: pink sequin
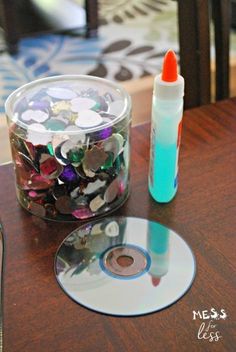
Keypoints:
pixel 38 182
pixel 121 187
pixel 32 194
pixel 82 213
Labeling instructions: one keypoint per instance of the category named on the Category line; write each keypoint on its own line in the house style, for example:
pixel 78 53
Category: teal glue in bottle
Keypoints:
pixel 167 112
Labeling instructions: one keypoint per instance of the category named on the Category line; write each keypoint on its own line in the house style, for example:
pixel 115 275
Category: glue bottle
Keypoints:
pixel 167 111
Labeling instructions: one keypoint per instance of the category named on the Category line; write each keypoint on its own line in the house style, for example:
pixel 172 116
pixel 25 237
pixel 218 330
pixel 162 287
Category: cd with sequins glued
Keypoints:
pixel 124 266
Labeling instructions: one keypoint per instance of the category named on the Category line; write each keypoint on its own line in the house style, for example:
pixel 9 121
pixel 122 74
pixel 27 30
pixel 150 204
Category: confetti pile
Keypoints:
pixel 70 145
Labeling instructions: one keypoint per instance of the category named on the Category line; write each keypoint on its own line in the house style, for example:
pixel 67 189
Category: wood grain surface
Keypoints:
pixel 39 317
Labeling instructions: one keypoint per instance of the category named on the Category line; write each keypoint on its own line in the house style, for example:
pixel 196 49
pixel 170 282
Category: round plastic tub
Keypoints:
pixel 70 142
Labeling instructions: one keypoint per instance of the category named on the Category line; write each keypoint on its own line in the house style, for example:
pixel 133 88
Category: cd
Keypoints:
pixel 124 266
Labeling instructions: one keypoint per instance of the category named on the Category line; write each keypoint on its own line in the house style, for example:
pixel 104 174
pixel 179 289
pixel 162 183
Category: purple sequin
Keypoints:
pixel 105 133
pixel 68 174
pixel 41 105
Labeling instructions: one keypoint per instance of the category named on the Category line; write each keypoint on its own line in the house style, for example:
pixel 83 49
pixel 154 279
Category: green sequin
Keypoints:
pixel 108 163
pixel 55 125
pixel 75 155
pixel 118 164
pixel 50 149
pixel 96 107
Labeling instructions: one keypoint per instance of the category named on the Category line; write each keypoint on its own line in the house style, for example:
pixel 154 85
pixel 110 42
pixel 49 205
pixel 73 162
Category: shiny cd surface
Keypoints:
pixel 124 266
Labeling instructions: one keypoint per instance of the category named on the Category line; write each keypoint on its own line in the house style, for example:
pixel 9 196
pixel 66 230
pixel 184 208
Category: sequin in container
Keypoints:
pixel 70 146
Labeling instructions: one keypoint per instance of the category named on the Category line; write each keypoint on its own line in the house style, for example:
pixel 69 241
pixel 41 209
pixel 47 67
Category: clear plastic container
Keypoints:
pixel 70 142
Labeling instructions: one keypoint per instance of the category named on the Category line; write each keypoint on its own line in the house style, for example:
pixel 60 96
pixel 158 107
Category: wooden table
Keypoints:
pixel 38 316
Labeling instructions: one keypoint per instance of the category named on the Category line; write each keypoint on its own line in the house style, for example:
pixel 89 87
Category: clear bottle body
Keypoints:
pixel 164 151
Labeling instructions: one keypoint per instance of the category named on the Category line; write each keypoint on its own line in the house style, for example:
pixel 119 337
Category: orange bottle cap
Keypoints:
pixel 169 71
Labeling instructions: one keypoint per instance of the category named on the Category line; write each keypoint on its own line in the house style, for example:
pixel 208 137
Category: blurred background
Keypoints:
pixel 119 40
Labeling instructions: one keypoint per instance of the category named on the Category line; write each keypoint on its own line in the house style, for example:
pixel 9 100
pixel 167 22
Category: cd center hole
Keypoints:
pixel 125 260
